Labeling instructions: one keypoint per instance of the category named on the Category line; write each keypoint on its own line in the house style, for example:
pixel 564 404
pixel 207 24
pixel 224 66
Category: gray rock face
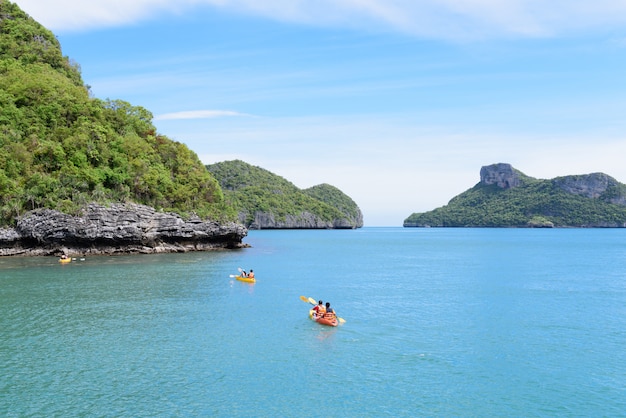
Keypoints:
pixel 116 229
pixel 501 174
pixel 304 220
pixel 592 185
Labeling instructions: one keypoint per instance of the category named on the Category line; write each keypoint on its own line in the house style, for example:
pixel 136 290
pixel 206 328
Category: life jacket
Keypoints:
pixel 329 315
pixel 321 310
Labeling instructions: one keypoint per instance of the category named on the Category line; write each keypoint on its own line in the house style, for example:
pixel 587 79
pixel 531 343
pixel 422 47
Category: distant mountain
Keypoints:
pixel 267 201
pixel 505 197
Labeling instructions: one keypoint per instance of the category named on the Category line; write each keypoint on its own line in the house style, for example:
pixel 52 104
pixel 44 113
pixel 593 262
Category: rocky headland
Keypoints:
pixel 506 197
pixel 115 229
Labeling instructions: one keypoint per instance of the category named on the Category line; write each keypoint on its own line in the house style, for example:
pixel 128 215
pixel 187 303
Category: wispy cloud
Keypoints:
pixel 451 19
pixel 78 15
pixel 198 114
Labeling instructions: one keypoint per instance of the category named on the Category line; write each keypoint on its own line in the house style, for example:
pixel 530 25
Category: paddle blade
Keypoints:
pixel 312 301
pixel 341 320
pixel 304 299
pixel 232 275
pixel 240 269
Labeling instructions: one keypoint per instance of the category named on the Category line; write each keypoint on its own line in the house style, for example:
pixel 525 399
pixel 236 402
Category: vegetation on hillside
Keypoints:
pixel 535 203
pixel 252 189
pixel 336 198
pixel 60 148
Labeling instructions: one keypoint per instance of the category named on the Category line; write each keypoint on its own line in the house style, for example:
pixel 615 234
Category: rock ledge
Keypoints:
pixel 116 229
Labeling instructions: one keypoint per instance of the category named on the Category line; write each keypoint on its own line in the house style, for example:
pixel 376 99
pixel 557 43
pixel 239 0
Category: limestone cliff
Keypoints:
pixel 501 174
pixel 115 229
pixel 302 220
pixel 594 185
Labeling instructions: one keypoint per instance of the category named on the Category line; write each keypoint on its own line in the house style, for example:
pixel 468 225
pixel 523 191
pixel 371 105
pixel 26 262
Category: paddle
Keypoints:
pixel 312 302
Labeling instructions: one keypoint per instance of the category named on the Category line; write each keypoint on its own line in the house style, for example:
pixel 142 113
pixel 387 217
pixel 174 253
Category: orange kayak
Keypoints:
pixel 324 321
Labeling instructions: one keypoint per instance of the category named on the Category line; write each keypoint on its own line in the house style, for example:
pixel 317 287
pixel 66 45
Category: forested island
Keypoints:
pixel 506 197
pixel 80 174
pixel 264 200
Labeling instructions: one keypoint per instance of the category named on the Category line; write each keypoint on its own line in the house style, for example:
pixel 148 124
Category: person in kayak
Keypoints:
pixel 246 274
pixel 319 309
pixel 329 313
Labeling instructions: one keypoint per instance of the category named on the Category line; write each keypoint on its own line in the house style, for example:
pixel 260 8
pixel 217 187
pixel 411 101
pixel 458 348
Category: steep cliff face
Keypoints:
pixel 594 185
pixel 503 175
pixel 115 229
pixel 303 220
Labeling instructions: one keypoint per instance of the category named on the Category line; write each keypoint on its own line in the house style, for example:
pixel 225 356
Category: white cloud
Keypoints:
pixel 198 114
pixel 73 15
pixel 451 19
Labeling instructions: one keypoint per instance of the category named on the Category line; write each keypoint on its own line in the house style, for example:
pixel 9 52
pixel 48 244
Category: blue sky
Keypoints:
pixel 398 103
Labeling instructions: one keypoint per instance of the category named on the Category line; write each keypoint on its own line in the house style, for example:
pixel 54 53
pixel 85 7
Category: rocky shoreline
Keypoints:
pixel 116 229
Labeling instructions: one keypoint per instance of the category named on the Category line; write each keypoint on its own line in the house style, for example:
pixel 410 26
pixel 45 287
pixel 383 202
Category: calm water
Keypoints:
pixel 440 322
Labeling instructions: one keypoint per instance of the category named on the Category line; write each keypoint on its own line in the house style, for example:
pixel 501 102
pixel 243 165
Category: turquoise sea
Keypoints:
pixel 439 322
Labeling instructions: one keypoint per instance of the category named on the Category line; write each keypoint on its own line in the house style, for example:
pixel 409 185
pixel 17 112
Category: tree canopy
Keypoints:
pixel 252 189
pixel 60 148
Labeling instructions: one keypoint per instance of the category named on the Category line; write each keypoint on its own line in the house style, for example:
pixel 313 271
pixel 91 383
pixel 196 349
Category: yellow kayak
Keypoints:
pixel 246 279
pixel 65 260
